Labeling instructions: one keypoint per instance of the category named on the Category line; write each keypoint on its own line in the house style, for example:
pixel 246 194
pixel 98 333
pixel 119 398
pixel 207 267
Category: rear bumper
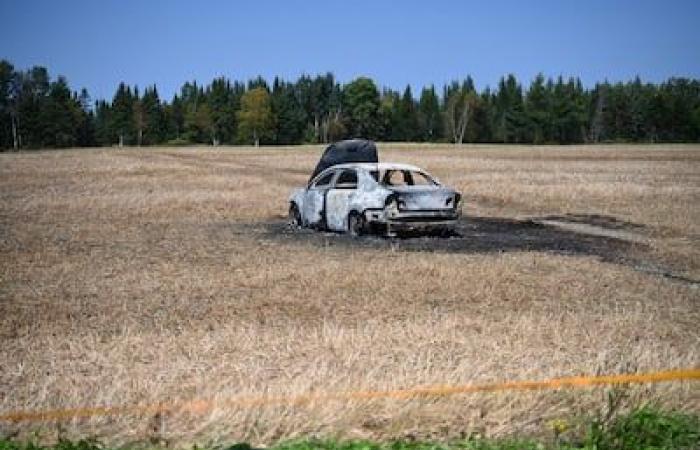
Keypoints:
pixel 438 218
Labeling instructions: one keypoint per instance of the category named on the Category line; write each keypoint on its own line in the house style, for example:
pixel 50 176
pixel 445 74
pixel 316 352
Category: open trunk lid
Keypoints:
pixel 350 151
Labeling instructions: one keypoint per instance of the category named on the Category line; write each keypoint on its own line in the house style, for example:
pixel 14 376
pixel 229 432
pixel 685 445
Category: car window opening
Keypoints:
pixel 421 179
pixel 347 180
pixel 325 180
pixel 405 178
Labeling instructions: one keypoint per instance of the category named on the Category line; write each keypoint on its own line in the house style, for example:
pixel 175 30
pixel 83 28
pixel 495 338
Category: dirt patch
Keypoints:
pixel 594 220
pixel 596 225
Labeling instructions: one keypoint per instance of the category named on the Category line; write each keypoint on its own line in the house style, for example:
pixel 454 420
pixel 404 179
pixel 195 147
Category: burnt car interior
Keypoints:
pixel 405 178
pixel 324 180
pixel 347 180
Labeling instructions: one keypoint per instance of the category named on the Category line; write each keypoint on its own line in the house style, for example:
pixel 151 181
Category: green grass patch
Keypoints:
pixel 643 429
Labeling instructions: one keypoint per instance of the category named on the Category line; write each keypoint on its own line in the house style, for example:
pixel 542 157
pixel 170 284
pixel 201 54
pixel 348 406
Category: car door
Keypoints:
pixel 339 198
pixel 314 200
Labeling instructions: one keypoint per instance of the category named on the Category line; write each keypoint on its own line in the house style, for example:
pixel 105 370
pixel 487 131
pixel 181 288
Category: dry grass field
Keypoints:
pixel 161 274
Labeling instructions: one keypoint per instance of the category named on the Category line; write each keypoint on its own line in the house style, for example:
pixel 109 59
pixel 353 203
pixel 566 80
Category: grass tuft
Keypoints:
pixel 646 428
pixel 643 429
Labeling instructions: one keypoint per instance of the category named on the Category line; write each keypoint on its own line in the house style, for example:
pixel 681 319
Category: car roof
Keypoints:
pixel 377 166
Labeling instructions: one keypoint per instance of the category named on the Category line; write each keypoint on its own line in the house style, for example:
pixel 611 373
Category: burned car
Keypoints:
pixel 350 191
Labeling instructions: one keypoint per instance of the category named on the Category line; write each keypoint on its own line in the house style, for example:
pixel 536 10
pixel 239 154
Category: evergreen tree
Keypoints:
pixel 59 117
pixel 122 124
pixel 104 135
pixel 511 121
pixel 388 116
pixel 480 125
pixel 139 116
pixel 154 123
pixel 361 103
pixel 198 123
pixel 8 113
pixel 37 112
pixel 406 124
pixel 223 114
pixel 289 116
pixel 320 99
pixel 258 82
pixel 175 119
pixel 86 126
pixel 681 98
pixel 429 117
pixel 537 106
pixel 596 107
pixel 332 126
pixel 33 88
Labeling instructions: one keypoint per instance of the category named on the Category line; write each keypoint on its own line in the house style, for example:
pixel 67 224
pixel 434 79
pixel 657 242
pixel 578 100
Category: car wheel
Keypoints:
pixel 445 232
pixel 294 215
pixel 356 224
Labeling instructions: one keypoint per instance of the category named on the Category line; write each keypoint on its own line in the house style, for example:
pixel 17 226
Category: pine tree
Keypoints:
pixel 430 123
pixel 59 116
pixel 198 123
pixel 174 119
pixel 388 115
pixel 33 88
pixel 8 113
pixel 511 120
pixel 36 112
pixel 219 97
pixel 537 106
pixel 86 126
pixel 597 108
pixel 154 125
pixel 407 128
pixel 289 116
pixel 122 123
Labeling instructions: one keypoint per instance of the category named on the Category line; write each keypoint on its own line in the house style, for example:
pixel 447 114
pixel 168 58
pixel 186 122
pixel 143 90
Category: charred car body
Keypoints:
pixel 350 191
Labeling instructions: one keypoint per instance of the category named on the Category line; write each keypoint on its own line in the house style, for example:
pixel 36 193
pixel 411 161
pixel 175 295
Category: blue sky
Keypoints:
pixel 98 43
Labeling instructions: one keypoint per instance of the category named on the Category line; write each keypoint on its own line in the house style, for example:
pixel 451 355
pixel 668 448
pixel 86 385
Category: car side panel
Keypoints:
pixel 312 209
pixel 338 208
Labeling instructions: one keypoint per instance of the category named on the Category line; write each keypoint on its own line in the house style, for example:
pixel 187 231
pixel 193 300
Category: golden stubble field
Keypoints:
pixel 137 276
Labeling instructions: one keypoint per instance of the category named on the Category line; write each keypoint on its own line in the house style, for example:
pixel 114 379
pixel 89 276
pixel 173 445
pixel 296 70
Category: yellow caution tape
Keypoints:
pixel 203 406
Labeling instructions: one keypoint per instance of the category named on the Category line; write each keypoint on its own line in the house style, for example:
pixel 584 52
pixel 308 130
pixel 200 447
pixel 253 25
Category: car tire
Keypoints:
pixel 294 216
pixel 445 232
pixel 356 224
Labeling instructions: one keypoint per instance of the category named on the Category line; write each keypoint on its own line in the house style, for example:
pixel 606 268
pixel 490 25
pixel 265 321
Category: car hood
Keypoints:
pixel 424 197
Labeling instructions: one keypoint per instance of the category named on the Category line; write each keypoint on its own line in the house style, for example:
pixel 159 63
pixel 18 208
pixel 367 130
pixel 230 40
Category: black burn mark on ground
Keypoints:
pixel 472 235
pixel 486 235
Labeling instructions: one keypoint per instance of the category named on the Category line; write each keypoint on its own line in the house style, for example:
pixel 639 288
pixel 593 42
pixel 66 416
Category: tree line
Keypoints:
pixel 38 112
